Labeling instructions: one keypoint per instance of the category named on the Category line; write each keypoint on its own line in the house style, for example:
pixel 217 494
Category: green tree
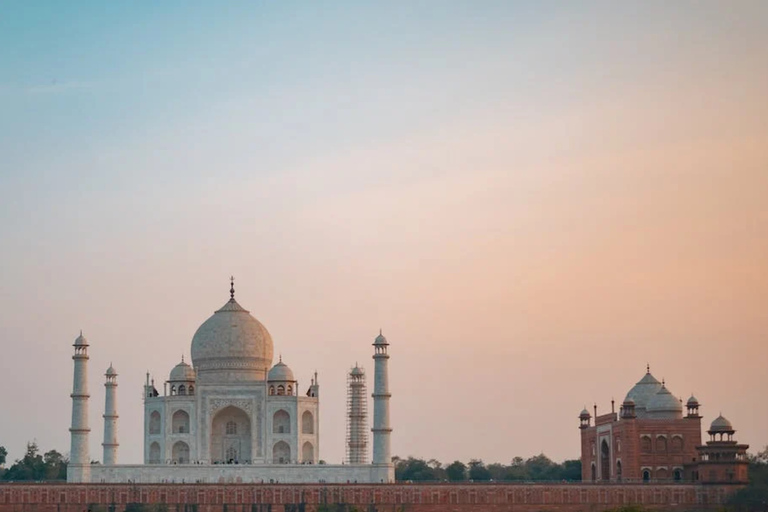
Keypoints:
pixel 3 455
pixel 55 466
pixel 416 470
pixel 30 467
pixel 541 467
pixel 571 470
pixel 754 497
pixel 477 471
pixel 456 471
pixel 33 466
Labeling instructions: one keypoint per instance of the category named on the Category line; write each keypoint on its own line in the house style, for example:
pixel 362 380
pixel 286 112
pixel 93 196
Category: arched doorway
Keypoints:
pixel 154 453
pixel 307 423
pixel 154 422
pixel 180 453
pixel 180 422
pixel 281 422
pixel 281 453
pixel 231 436
pixel 605 461
pixel 308 453
pixel 618 470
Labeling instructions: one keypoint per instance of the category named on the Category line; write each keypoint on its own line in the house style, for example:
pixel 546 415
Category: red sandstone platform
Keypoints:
pixel 400 497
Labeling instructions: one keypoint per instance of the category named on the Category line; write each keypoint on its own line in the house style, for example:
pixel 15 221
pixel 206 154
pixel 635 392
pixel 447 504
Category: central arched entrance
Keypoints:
pixel 231 436
pixel 605 461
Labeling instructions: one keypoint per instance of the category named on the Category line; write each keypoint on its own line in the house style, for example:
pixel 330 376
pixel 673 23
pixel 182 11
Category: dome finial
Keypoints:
pixel 281 357
pixel 647 367
pixel 182 358
pixel 231 287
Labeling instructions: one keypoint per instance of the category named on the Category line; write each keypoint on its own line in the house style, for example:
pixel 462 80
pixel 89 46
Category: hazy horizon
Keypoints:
pixel 533 200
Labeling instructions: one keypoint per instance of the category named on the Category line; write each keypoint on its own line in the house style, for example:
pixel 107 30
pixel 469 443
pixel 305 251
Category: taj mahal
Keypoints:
pixel 232 416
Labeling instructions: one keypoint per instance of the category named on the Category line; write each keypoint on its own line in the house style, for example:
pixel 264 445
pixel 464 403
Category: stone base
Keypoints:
pixel 446 497
pixel 245 474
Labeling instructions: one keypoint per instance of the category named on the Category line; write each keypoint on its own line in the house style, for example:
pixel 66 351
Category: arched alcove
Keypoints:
pixel 154 422
pixel 154 453
pixel 605 461
pixel 281 453
pixel 281 422
pixel 231 436
pixel 307 452
pixel 180 452
pixel 307 423
pixel 180 422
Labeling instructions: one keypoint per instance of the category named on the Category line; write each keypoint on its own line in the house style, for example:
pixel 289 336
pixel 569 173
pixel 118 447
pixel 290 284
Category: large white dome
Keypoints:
pixel 231 346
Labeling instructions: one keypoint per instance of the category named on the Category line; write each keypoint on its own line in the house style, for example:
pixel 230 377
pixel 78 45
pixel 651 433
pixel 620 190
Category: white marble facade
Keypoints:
pixel 230 416
pixel 231 408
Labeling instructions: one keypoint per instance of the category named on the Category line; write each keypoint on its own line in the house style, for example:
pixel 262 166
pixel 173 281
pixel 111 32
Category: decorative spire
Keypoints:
pixel 232 288
pixel 280 357
pixel 182 358
pixel 647 367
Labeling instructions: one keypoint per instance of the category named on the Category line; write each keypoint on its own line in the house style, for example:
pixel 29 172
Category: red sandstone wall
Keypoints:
pixel 632 458
pixel 370 498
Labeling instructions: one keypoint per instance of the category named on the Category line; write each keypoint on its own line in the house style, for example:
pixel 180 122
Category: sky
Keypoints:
pixel 533 200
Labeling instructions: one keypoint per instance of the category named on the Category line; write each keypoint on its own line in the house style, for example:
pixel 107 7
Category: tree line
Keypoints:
pixel 536 468
pixel 50 465
pixel 753 497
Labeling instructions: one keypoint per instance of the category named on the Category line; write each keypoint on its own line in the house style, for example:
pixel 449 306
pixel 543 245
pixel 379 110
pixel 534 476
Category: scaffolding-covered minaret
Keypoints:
pixel 357 417
pixel 79 467
pixel 110 443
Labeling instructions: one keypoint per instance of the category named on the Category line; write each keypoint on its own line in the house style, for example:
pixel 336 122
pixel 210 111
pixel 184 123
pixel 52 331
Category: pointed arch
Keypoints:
pixel 180 453
pixel 281 453
pixel 154 453
pixel 230 436
pixel 605 460
pixel 180 422
pixel 307 423
pixel 308 453
pixel 154 422
pixel 281 422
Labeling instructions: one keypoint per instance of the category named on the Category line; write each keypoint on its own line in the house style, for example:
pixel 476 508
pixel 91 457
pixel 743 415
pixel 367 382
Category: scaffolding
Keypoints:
pixel 357 417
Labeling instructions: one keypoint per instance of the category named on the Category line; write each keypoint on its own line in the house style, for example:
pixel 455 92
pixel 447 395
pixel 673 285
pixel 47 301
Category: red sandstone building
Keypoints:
pixel 650 440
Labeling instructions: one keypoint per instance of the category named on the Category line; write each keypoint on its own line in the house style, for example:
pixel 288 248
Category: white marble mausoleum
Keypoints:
pixel 230 416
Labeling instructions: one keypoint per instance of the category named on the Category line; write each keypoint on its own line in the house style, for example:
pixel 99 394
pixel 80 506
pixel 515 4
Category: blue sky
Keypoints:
pixel 522 194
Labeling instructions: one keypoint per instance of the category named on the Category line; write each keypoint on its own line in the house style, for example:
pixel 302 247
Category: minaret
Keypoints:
pixel 110 443
pixel 357 417
pixel 381 429
pixel 79 467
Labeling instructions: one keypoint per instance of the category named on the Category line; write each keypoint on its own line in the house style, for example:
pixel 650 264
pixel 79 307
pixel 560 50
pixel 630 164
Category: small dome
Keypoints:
pixel 629 402
pixel 720 424
pixel 80 341
pixel 281 372
pixel 357 371
pixel 643 391
pixel 692 402
pixel 663 405
pixel 584 413
pixel 380 339
pixel 111 371
pixel 183 371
